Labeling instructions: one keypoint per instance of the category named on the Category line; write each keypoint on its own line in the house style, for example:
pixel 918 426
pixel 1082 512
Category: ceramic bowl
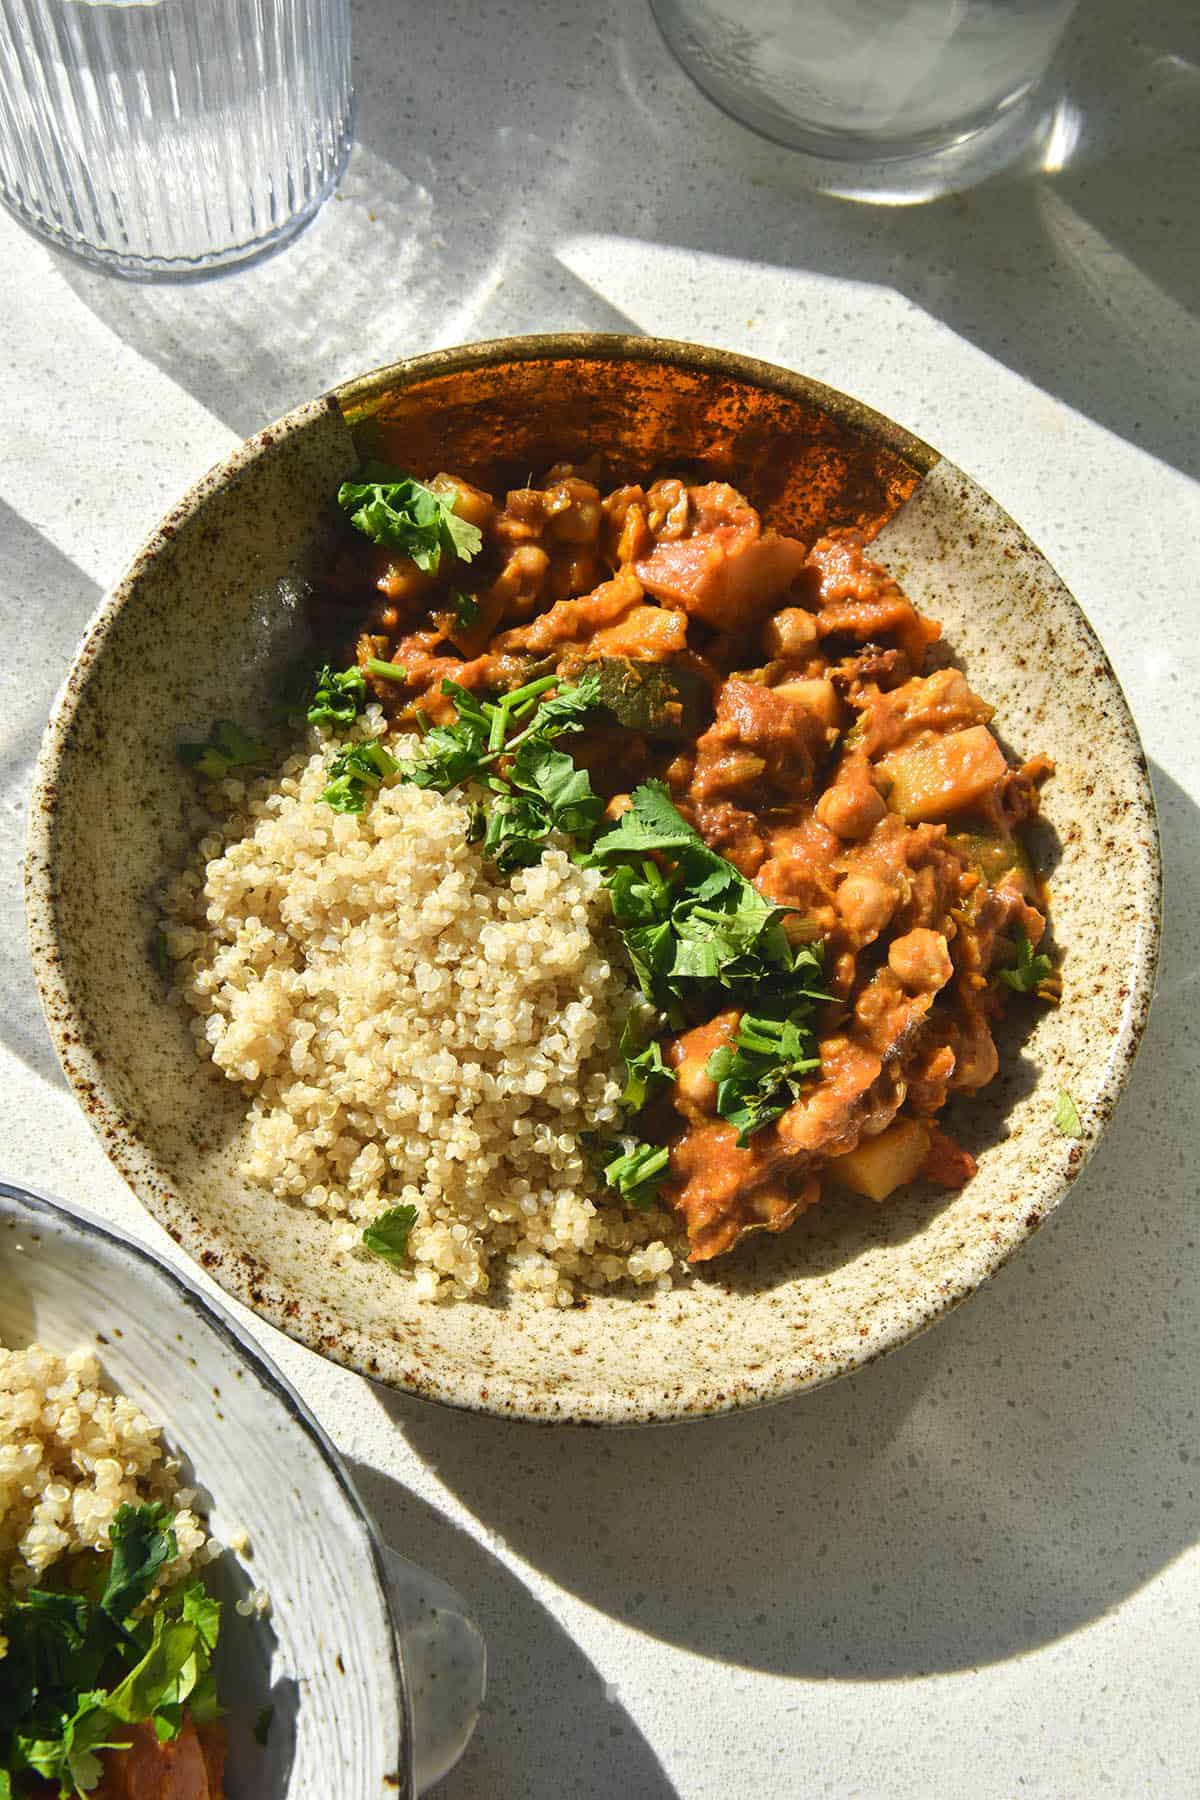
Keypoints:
pixel 330 1657
pixel 201 625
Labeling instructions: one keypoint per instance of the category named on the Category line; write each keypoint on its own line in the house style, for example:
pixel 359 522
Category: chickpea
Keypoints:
pixel 853 806
pixel 920 961
pixel 695 1091
pixel 790 633
pixel 519 584
pixel 866 904
pixel 470 503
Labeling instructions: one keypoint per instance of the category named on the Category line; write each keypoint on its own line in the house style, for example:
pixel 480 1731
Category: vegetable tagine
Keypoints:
pixel 811 840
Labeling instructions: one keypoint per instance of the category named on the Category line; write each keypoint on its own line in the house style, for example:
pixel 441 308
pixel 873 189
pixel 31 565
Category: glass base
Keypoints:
pixel 210 262
pixel 1024 126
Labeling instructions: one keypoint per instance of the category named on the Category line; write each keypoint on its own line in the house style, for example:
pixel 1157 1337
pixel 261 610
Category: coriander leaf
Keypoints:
pixel 396 510
pixel 464 607
pixel 227 747
pixel 644 1065
pixel 549 775
pixel 201 1610
pixel 1066 1115
pixel 563 711
pixel 385 671
pixel 1029 969
pixel 142 1541
pixel 653 822
pixel 388 1236
pixel 337 698
pixel 354 771
pixel 516 832
pixel 761 1072
pixel 638 1173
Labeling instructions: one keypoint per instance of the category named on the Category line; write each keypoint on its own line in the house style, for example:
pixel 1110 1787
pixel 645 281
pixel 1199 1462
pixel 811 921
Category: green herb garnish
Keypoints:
pixel 1029 971
pixel 465 607
pixel 356 771
pixel 760 1074
pixel 338 698
pixel 385 671
pixel 1066 1115
pixel 78 1673
pixel 388 1236
pixel 689 920
pixel 396 510
pixel 534 788
pixel 644 1066
pixel 227 747
pixel 637 1174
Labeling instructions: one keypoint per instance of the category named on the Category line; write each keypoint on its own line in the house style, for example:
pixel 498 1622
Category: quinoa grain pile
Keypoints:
pixel 412 1028
pixel 71 1453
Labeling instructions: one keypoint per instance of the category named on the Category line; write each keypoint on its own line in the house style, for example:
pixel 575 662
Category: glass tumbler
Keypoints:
pixel 866 80
pixel 167 137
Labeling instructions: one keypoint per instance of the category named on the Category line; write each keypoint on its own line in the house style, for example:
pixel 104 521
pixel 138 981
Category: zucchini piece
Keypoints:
pixel 663 700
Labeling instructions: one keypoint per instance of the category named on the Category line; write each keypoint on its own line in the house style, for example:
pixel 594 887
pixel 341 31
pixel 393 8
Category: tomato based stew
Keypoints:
pixel 787 705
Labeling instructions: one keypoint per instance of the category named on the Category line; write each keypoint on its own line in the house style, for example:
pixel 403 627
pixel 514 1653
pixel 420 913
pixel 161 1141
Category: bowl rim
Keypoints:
pixel 149 1266
pixel 350 400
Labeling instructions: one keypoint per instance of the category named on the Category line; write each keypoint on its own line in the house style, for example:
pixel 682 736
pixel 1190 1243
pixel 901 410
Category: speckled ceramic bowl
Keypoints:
pixel 371 1667
pixel 200 625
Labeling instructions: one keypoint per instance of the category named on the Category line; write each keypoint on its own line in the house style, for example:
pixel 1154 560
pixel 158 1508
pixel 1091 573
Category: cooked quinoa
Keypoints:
pixel 413 1029
pixel 71 1453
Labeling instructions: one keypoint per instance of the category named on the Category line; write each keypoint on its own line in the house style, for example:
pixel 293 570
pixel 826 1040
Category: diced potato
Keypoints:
pixel 819 696
pixel 882 1164
pixel 947 775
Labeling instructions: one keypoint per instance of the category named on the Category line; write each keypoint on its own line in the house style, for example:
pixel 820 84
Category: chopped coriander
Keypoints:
pixel 226 747
pixel 142 1541
pixel 354 771
pixel 78 1672
pixel 644 1065
pixel 637 1174
pixel 386 671
pixel 540 790
pixel 388 1236
pixel 396 510
pixel 1066 1115
pixel 689 920
pixel 262 1726
pixel 1029 971
pixel 338 698
pixel 760 1074
pixel 465 607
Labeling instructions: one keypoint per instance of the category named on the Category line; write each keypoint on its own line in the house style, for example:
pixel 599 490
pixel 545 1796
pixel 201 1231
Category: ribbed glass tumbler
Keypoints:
pixel 166 137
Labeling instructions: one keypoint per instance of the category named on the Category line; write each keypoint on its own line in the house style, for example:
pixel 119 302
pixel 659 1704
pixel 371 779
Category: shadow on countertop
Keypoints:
pixel 569 1733
pixel 45 604
pixel 454 220
pixel 999 1483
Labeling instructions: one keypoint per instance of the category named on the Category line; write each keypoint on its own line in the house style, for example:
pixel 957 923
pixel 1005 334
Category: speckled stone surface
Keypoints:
pixel 970 1569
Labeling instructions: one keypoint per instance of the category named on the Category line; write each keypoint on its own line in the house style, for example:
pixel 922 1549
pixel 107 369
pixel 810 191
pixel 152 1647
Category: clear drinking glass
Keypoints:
pixel 866 80
pixel 165 137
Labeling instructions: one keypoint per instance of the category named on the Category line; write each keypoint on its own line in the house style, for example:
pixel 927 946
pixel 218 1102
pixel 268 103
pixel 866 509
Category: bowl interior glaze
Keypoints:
pixel 206 619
